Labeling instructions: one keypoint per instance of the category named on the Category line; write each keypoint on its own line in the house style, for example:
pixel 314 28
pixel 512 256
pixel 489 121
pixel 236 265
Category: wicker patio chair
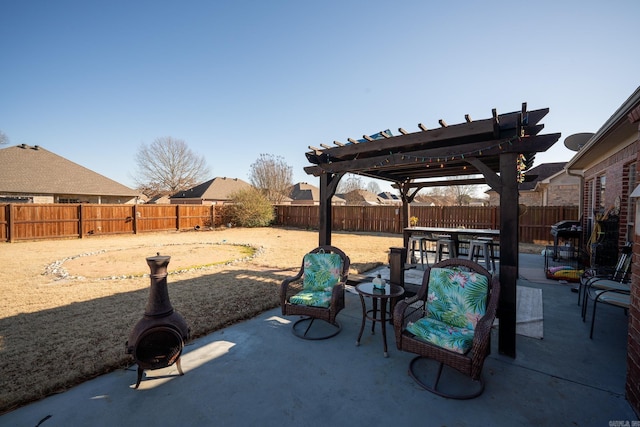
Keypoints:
pixel 316 293
pixel 448 322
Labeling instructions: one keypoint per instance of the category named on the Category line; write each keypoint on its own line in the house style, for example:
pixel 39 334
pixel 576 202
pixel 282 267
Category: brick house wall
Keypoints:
pixel 560 191
pixel 633 341
pixel 563 195
pixel 616 169
pixel 529 198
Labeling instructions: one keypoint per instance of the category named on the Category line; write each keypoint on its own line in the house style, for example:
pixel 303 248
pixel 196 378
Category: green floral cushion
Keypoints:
pixel 321 271
pixel 312 298
pixel 446 336
pixel 455 302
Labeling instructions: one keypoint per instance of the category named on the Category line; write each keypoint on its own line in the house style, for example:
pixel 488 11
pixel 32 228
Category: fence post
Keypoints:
pixel 135 219
pixel 177 217
pixel 80 221
pixel 12 227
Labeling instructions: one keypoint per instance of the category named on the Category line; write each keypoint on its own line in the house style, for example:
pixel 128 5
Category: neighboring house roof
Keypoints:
pixel 361 196
pixel 619 131
pixel 540 173
pixel 34 170
pixel 214 189
pixel 303 192
pixel 158 200
pixel 389 196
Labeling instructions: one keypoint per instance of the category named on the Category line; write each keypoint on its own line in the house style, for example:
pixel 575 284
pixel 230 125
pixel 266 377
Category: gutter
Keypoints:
pixel 619 115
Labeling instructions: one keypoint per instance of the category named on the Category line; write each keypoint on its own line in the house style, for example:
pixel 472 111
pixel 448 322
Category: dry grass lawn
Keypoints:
pixel 68 306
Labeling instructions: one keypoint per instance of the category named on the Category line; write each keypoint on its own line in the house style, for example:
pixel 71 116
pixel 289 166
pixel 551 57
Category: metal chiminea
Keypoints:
pixel 158 338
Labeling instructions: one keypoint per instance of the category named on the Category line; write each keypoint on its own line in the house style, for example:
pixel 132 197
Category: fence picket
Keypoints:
pixel 28 221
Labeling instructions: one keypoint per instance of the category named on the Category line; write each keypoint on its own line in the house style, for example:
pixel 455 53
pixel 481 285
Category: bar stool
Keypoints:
pixel 485 245
pixel 492 246
pixel 443 244
pixel 422 248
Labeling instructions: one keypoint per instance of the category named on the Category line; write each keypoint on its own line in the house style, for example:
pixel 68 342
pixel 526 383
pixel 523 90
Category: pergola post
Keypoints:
pixel 509 225
pixel 406 210
pixel 328 186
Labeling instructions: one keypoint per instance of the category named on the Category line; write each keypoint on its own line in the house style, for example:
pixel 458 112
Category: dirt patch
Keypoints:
pixel 132 261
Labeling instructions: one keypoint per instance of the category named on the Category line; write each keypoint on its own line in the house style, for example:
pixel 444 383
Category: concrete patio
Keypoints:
pixel 258 373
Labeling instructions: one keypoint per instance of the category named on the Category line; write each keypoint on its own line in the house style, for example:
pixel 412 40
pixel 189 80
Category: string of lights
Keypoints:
pixel 440 161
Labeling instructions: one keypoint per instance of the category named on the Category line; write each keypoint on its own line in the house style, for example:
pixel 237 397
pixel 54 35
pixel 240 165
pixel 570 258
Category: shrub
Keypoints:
pixel 250 208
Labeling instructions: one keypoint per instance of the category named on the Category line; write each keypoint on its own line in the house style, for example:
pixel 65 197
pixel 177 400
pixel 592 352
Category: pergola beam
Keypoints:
pixel 437 155
pixel 444 136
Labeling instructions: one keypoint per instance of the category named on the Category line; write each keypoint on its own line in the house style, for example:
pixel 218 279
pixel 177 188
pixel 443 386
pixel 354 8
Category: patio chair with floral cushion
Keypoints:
pixel 448 323
pixel 316 293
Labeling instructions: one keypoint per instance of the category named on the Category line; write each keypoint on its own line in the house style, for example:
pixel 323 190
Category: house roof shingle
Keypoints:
pixel 34 170
pixel 307 192
pixel 362 197
pixel 215 189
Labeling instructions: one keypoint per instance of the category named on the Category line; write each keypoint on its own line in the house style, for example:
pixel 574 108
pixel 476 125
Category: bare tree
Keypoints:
pixel 373 187
pixel 167 166
pixel 462 194
pixel 453 195
pixel 272 176
pixel 4 139
pixel 350 183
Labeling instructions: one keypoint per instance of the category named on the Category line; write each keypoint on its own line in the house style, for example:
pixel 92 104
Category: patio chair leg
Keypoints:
pixel 585 303
pixel 579 292
pixel 593 316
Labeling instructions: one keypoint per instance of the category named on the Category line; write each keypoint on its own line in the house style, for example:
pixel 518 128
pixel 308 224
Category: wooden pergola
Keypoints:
pixel 484 151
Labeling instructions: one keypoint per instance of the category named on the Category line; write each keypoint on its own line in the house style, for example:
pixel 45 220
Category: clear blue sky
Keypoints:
pixel 91 81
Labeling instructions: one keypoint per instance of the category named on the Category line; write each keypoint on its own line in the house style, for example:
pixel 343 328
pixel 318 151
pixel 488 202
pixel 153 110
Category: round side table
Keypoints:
pixel 390 292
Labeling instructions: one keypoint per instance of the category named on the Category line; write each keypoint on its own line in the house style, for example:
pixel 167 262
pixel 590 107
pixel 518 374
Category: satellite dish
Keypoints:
pixel 576 141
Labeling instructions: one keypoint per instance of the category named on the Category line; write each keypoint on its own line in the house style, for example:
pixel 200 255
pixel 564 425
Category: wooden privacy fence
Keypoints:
pixel 26 221
pixel 535 221
pixel 49 221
